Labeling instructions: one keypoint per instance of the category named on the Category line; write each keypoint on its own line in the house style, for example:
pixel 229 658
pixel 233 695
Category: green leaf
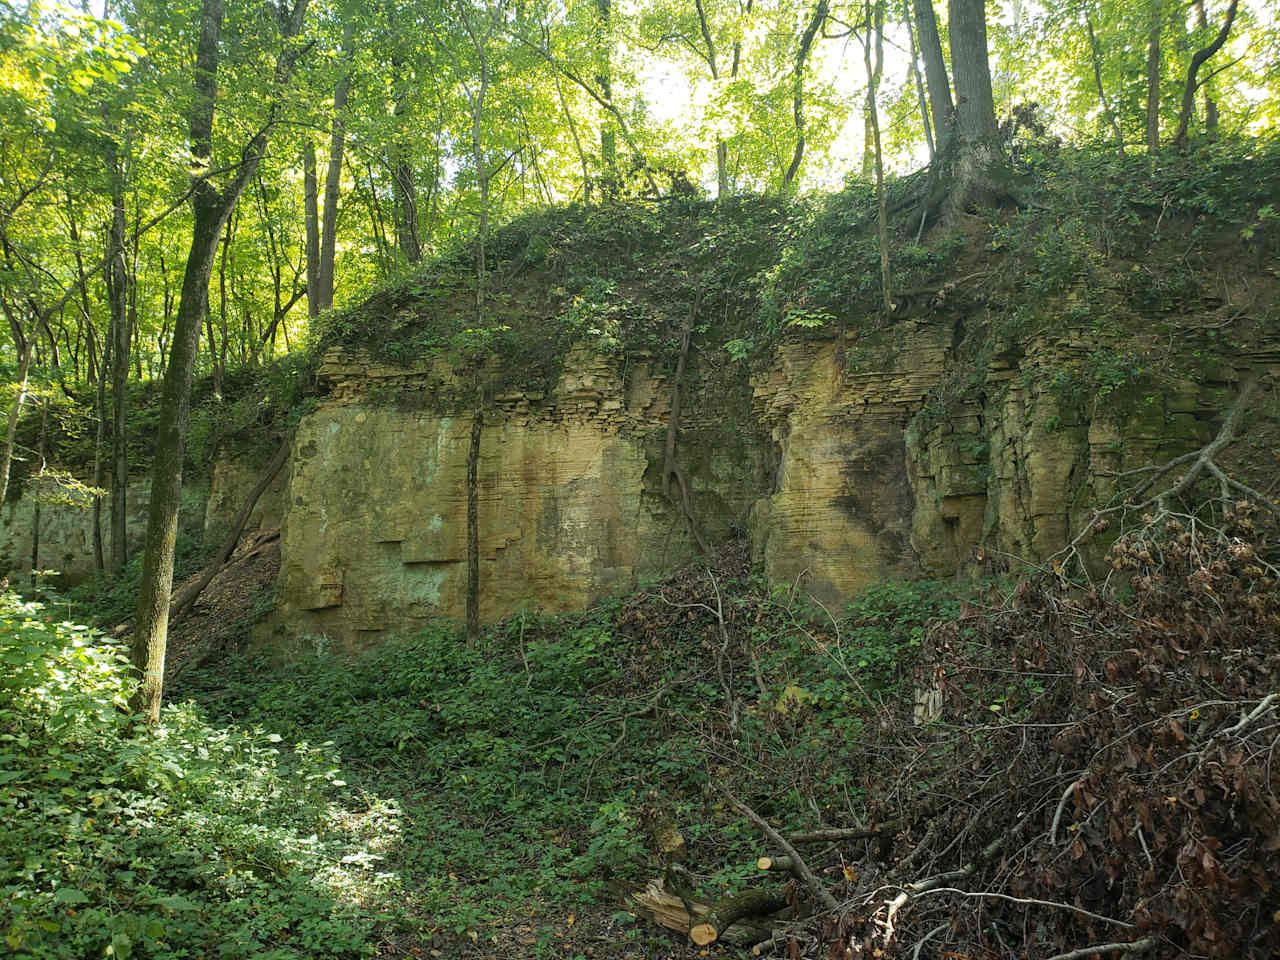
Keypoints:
pixel 69 896
pixel 121 946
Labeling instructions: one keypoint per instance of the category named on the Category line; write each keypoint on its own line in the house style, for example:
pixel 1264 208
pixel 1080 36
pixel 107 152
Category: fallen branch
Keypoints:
pixel 1026 901
pixel 847 833
pixel 777 864
pixel 811 882
pixel 186 596
pixel 1135 946
pixel 730 910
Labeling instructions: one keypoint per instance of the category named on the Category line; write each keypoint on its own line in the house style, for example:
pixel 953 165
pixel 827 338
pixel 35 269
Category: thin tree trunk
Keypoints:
pixel 1096 57
pixel 187 596
pixel 873 83
pixel 1197 61
pixel 100 460
pixel 797 91
pixel 1153 77
pixel 722 150
pixel 577 143
pixel 604 78
pixel 210 210
pixel 311 213
pixel 1210 102
pixel 870 124
pixel 35 509
pixel 333 178
pixel 919 81
pixel 97 376
pixel 377 226
pixel 404 187
pixel 118 330
pixel 15 413
pixel 473 525
pixel 935 73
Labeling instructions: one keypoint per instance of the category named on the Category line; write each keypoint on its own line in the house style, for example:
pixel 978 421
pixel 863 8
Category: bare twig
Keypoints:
pixel 915 954
pixel 1062 805
pixel 1135 946
pixel 1026 901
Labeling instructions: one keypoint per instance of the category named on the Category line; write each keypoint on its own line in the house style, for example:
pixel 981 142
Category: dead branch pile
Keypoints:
pixel 1104 777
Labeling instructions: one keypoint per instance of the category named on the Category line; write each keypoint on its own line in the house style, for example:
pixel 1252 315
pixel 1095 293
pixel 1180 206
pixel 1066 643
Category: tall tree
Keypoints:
pixel 1155 28
pixel 873 35
pixel 333 175
pixel 935 73
pixel 210 207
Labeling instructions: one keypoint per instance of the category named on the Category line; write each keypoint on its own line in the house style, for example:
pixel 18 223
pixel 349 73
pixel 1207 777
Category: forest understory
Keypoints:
pixel 1024 766
pixel 1064 760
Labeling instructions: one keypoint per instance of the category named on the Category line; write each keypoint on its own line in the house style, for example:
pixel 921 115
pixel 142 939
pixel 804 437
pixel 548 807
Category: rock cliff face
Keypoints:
pixel 65 529
pixel 845 470
pixel 571 505
pixel 844 462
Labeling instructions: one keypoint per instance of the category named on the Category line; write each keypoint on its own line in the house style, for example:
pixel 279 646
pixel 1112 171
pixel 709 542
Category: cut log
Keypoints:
pixel 781 864
pixel 659 905
pixel 731 910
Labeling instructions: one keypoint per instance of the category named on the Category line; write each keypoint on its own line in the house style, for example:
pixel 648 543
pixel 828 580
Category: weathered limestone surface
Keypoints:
pixel 66 529
pixel 839 517
pixel 847 462
pixel 847 467
pixel 569 490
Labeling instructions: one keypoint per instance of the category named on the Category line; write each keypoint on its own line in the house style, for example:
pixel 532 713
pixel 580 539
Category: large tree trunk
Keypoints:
pixel 210 210
pixel 980 173
pixel 935 73
pixel 975 106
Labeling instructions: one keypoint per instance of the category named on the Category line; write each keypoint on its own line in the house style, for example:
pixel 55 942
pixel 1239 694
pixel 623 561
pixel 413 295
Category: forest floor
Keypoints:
pixel 509 790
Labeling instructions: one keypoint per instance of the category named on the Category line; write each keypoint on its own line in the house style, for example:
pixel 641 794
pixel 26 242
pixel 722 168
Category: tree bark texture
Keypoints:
pixel 975 105
pixel 918 80
pixel 118 294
